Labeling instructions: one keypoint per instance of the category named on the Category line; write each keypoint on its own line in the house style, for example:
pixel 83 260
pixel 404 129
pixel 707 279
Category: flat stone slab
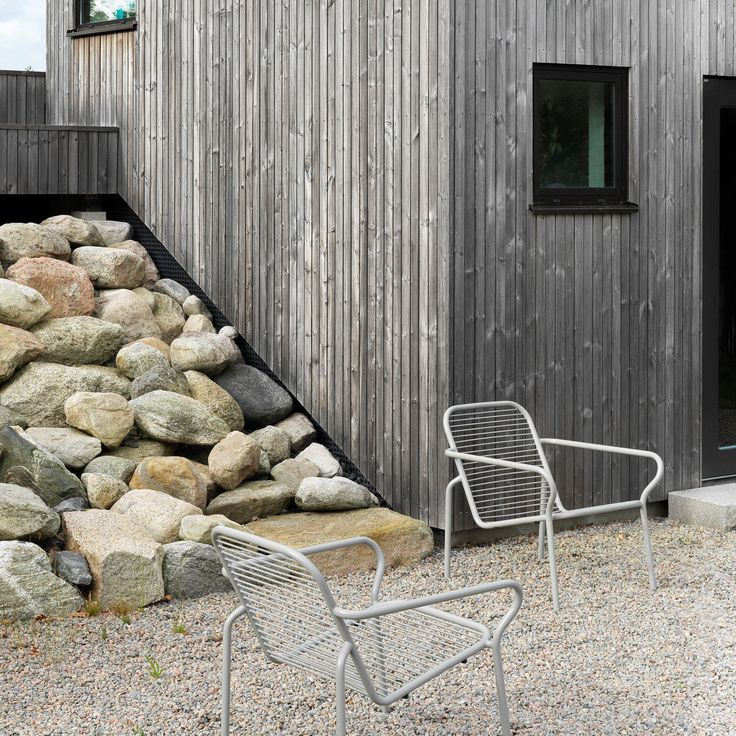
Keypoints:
pixel 710 506
pixel 402 539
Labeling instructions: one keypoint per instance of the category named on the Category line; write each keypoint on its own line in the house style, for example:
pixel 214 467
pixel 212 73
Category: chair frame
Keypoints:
pixel 343 618
pixel 554 510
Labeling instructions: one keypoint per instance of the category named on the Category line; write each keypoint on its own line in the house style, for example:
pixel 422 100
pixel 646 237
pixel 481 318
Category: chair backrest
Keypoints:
pixel 287 601
pixel 502 430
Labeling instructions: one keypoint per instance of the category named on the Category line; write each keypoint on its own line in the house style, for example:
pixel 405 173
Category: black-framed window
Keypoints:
pixel 580 136
pixel 103 16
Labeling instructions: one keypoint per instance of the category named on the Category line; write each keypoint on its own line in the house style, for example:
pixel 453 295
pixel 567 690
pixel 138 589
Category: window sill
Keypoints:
pixel 620 208
pixel 97 29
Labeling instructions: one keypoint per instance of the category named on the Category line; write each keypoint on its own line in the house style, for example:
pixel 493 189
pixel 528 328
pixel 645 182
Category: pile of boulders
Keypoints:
pixel 130 427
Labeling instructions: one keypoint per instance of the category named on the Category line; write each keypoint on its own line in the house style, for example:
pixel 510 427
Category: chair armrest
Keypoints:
pixel 353 542
pixel 389 607
pixel 617 451
pixel 523 467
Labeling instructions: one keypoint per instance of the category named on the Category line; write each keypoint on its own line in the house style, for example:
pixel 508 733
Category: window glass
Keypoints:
pixel 102 11
pixel 576 134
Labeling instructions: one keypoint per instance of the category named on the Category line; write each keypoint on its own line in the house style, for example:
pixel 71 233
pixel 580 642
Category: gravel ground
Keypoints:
pixel 618 659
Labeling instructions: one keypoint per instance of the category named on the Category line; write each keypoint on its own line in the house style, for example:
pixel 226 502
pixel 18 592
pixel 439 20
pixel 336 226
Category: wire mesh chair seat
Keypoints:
pixel 506 478
pixel 383 651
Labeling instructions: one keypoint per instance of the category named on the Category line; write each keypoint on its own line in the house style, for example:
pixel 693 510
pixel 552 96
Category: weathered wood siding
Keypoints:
pixel 45 159
pixel 294 157
pixel 594 322
pixel 22 97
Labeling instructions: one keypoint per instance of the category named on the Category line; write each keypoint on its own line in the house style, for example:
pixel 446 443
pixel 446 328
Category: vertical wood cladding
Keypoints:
pixel 294 157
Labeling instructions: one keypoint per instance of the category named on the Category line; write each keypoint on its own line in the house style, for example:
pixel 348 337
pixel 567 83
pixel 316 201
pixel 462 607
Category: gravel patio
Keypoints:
pixel 618 659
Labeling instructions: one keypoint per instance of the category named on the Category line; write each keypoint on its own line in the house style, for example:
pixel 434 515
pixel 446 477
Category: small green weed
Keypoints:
pixel 154 668
pixel 178 628
pixel 103 633
pixel 138 731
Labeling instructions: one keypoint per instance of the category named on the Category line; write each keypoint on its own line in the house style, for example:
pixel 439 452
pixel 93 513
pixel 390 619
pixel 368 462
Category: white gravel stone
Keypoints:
pixel 618 659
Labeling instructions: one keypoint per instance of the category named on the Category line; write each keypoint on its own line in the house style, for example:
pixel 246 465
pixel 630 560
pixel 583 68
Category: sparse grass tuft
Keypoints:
pixel 178 628
pixel 154 668
pixel 92 607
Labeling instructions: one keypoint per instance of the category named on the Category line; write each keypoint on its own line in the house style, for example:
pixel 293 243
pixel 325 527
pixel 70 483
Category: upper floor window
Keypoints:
pixel 580 136
pixel 103 16
pixel 103 11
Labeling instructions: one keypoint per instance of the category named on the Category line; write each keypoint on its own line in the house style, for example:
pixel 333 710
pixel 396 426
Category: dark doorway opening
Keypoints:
pixel 719 278
pixel 727 285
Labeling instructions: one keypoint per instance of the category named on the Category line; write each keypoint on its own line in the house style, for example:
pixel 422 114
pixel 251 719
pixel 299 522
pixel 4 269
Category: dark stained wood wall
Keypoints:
pixel 22 97
pixel 594 321
pixel 294 157
pixel 46 159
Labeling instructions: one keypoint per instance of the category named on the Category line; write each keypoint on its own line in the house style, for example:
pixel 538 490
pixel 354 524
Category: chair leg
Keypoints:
pixel 448 529
pixel 552 563
pixel 648 548
pixel 226 664
pixel 540 546
pixel 503 707
pixel 340 680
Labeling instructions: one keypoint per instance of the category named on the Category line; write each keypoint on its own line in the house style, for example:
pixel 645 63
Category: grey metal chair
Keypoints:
pixel 507 481
pixel 383 651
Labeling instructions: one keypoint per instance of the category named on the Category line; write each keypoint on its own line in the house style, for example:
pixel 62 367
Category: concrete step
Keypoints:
pixel 711 506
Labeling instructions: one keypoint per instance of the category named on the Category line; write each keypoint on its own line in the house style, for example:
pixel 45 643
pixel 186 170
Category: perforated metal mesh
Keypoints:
pixel 504 432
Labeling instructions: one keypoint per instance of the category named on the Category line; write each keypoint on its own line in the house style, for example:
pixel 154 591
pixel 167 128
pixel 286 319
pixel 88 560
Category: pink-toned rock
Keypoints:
pixel 65 287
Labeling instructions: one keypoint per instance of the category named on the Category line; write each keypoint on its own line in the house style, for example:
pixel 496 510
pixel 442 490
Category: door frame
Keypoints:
pixel 718 93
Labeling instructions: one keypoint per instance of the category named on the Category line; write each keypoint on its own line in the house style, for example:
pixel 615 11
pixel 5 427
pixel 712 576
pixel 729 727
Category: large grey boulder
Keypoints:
pixel 233 460
pixel 17 347
pixel 159 378
pixel 113 232
pixel 333 494
pixel 136 358
pixel 193 305
pixel 121 468
pixel 29 240
pixel 24 515
pixel 192 570
pixel 71 567
pixel 173 289
pixel 216 399
pixel 28 588
pixel 300 430
pixel 261 400
pixel 252 500
pixel 38 390
pixel 206 353
pixel 123 557
pixel 133 246
pixel 137 449
pixel 110 268
pixel 10 418
pixel 103 491
pixel 320 456
pixel 292 472
pixel 198 323
pixel 76 231
pixel 159 513
pixel 199 528
pixel 21 306
pixel 175 476
pixel 274 442
pixel 74 448
pixel 107 416
pixel 24 463
pixel 171 417
pixel 169 315
pixel 78 340
pixel 127 309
